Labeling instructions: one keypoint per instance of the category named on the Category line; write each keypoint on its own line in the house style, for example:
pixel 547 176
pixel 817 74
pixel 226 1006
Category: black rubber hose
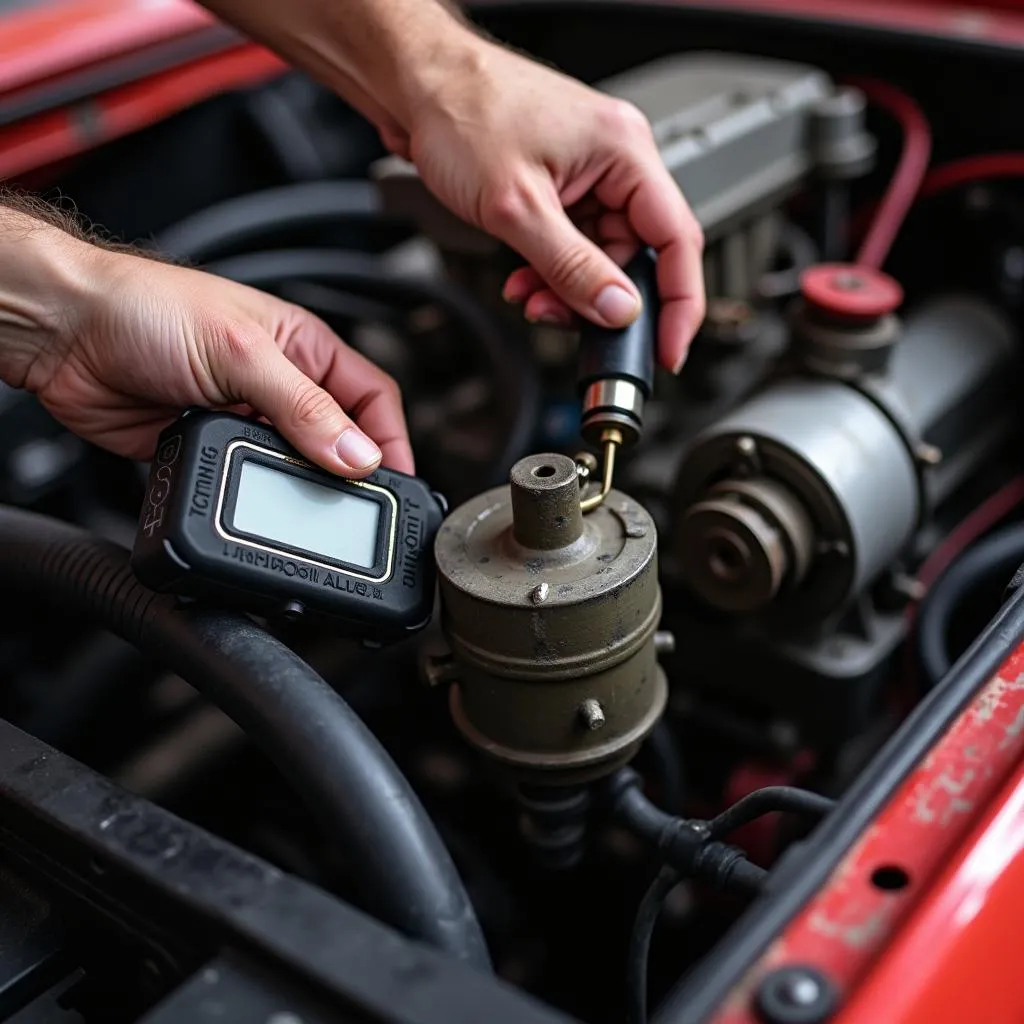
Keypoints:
pixel 331 304
pixel 516 388
pixel 260 217
pixel 994 558
pixel 336 765
pixel 688 846
pixel 770 800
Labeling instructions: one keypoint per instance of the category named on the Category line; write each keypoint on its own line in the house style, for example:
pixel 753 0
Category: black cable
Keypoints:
pixel 293 146
pixel 996 556
pixel 640 943
pixel 516 385
pixel 769 800
pixel 692 848
pixel 398 861
pixel 334 304
pixel 260 217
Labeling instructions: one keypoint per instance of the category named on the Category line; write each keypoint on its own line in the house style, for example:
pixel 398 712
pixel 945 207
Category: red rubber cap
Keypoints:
pixel 847 290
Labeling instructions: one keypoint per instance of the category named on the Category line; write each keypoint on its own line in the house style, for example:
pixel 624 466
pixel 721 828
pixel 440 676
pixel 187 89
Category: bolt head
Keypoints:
pixel 796 995
pixel 592 714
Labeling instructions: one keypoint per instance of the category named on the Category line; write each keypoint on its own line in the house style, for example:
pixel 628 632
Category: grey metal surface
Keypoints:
pixel 844 459
pixel 732 129
pixel 950 346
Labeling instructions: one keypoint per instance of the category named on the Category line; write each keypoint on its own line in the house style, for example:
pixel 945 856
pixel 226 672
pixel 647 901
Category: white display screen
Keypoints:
pixel 289 510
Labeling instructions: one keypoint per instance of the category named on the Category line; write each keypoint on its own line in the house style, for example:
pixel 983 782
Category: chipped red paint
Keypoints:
pixel 852 920
pixel 957 958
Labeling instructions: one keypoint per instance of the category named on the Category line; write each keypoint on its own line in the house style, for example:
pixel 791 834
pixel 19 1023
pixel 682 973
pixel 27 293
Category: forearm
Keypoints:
pixel 384 56
pixel 45 275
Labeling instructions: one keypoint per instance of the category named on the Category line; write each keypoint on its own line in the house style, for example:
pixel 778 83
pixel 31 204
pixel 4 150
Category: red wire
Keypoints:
pixel 986 167
pixel 955 174
pixel 908 177
pixel 979 521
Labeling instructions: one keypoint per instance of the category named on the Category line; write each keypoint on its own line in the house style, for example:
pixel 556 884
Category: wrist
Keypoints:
pixel 424 68
pixel 48 279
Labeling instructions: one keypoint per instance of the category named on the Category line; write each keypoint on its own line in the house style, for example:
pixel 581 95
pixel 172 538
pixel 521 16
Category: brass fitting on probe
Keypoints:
pixel 615 379
pixel 611 438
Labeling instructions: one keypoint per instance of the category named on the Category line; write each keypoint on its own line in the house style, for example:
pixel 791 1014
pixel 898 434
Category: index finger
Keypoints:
pixel 661 217
pixel 359 386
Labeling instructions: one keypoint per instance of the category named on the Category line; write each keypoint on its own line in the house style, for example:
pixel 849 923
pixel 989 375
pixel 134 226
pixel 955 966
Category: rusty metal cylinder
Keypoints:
pixel 545 495
pixel 550 616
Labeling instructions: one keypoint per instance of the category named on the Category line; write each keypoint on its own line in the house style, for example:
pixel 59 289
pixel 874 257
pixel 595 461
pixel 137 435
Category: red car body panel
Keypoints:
pixel 939 947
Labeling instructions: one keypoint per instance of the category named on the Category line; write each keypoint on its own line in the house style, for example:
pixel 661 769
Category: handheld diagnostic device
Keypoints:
pixel 234 514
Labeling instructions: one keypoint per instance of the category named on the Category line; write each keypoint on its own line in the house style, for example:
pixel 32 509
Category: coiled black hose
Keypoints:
pixel 992 559
pixel 516 391
pixel 398 861
pixel 260 217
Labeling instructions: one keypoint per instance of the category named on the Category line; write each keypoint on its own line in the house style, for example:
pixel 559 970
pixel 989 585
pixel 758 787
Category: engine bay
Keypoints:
pixel 626 723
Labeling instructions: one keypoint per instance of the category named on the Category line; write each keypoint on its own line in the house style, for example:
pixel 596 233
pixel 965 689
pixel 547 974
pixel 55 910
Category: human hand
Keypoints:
pixel 128 343
pixel 569 178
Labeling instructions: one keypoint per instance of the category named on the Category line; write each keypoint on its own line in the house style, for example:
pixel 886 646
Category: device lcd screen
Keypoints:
pixel 288 510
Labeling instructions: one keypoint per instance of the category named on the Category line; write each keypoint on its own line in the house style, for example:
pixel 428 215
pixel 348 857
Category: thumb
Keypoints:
pixel 579 272
pixel 306 414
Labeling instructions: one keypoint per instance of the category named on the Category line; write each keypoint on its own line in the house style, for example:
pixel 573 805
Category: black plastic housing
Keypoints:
pixel 627 353
pixel 184 546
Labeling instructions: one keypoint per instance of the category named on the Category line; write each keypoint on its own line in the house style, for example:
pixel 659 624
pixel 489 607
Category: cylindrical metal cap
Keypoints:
pixel 546 502
pixel 842 147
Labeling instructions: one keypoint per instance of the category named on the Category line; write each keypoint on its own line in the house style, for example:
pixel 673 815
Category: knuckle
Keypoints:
pixel 506 207
pixel 238 346
pixel 569 268
pixel 626 120
pixel 311 405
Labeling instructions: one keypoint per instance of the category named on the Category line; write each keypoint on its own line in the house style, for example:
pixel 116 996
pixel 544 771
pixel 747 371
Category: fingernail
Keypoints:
pixel 355 449
pixel 511 297
pixel 616 306
pixel 680 362
pixel 551 318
